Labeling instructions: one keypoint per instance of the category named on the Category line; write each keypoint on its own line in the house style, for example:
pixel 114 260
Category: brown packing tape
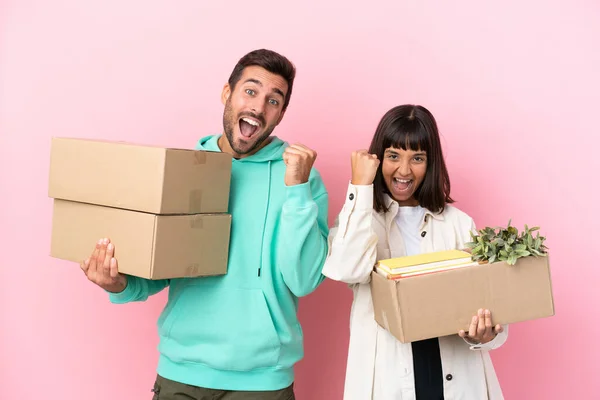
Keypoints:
pixel 197 222
pixel 219 161
pixel 192 270
pixel 199 157
pixel 195 201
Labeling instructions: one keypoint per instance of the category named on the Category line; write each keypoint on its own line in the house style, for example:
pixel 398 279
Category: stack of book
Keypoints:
pixel 422 264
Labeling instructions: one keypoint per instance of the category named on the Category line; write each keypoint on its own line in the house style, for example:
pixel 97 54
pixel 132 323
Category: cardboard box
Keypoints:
pixel 139 177
pixel 443 303
pixel 146 245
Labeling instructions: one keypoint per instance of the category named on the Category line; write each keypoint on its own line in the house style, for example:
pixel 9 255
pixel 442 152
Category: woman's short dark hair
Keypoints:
pixel 412 127
pixel 273 62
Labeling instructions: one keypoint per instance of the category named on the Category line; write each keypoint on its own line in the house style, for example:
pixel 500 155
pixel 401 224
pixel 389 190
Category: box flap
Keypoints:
pixel 385 305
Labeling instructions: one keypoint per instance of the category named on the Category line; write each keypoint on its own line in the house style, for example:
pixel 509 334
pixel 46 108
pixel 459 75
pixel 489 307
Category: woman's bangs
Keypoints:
pixel 411 136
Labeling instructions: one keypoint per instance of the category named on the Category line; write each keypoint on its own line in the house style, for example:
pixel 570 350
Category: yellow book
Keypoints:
pixel 426 271
pixel 426 261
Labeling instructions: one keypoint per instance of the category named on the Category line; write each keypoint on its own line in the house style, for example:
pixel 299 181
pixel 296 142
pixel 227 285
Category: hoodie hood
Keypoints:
pixel 271 152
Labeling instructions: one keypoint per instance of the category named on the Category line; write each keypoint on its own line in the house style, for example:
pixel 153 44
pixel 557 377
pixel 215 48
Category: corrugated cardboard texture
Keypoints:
pixel 139 177
pixel 146 245
pixel 443 303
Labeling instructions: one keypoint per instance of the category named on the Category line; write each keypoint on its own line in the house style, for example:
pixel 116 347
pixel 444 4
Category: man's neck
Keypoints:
pixel 225 147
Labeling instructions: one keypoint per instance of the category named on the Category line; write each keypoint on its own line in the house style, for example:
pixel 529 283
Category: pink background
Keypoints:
pixel 514 86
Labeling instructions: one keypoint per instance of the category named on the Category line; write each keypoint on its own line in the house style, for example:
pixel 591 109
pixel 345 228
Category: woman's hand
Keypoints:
pixel 481 329
pixel 364 167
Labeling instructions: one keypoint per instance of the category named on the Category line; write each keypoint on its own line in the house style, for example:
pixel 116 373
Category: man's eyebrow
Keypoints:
pixel 252 80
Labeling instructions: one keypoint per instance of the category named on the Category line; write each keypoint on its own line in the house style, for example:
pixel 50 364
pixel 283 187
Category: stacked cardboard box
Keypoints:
pixel 164 209
pixel 440 300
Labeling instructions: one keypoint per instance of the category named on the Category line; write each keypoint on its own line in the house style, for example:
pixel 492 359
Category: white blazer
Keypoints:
pixel 359 238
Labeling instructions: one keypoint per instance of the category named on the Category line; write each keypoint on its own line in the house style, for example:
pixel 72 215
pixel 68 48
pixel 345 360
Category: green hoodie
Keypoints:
pixel 240 331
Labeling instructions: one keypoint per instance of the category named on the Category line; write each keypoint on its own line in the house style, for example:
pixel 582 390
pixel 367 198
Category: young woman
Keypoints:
pixel 396 207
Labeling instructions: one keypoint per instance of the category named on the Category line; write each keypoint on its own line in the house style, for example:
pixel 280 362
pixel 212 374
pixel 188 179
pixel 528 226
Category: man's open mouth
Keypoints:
pixel 249 126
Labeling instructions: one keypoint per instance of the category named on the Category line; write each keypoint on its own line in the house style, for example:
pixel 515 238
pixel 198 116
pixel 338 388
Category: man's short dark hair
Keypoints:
pixel 412 127
pixel 271 61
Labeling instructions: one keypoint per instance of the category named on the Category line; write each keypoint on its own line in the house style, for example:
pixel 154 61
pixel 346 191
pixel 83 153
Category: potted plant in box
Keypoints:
pixel 506 244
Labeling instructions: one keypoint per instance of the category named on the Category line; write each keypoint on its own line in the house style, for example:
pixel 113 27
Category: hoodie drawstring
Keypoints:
pixel 265 218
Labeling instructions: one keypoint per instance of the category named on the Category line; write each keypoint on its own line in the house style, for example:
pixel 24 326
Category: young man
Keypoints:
pixel 237 336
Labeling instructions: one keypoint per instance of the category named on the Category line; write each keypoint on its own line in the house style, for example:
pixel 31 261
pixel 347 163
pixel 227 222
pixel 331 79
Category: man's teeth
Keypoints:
pixel 250 121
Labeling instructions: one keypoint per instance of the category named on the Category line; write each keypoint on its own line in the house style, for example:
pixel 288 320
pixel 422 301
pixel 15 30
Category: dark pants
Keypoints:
pixel 165 389
pixel 427 363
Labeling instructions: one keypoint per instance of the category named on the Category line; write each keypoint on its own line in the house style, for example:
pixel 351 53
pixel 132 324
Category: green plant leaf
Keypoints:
pixel 495 244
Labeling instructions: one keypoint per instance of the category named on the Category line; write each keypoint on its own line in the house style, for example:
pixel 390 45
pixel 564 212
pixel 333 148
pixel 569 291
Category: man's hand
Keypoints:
pixel 364 167
pixel 102 269
pixel 481 329
pixel 298 160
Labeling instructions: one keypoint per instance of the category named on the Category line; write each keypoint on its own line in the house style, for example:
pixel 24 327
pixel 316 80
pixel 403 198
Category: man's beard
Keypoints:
pixel 228 125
